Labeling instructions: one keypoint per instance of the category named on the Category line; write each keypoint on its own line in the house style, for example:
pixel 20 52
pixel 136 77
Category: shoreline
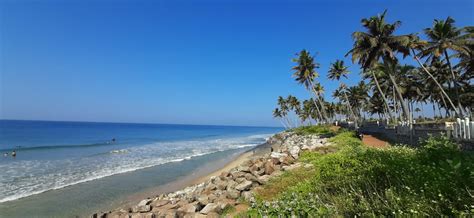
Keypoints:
pixel 230 185
pixel 202 174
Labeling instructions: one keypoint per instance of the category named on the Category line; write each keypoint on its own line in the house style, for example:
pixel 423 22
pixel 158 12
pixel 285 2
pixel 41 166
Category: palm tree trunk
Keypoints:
pixel 350 109
pixel 317 109
pixel 283 123
pixel 437 83
pixel 445 106
pixel 456 88
pixel 382 94
pixel 397 89
pixel 323 109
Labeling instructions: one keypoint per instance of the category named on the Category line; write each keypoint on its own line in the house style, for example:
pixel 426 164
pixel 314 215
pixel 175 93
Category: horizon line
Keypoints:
pixel 77 121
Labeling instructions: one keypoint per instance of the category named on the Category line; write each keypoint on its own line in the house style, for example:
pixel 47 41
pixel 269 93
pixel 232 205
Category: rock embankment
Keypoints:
pixel 211 198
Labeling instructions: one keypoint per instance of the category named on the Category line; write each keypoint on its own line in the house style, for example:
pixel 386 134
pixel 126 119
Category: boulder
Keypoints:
pixel 224 175
pixel 203 199
pixel 295 152
pixel 243 168
pixel 244 186
pixel 233 194
pixel 221 185
pixel 269 167
pixel 212 198
pixel 159 203
pixel 190 208
pixel 211 207
pixel 278 155
pixel 144 202
pixel 287 160
pixel 141 209
pixel 240 179
pixel 211 187
pixel 223 205
pixel 237 174
pixel 263 179
pixel 259 172
pixel 251 177
pixel 231 185
pixel 168 214
pixel 135 215
pixel 248 196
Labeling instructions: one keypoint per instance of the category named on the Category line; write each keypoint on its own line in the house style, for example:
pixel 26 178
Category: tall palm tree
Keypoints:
pixel 380 43
pixel 416 43
pixel 372 73
pixel 444 36
pixel 278 114
pixel 336 72
pixel 305 73
pixel 284 109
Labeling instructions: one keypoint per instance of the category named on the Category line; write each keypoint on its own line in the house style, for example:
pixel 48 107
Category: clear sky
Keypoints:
pixel 195 62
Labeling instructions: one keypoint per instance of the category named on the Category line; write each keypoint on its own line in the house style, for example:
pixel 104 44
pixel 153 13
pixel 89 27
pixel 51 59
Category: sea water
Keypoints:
pixel 73 168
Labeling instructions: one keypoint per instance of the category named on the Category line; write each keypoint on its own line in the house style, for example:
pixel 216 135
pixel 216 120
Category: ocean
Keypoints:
pixel 67 169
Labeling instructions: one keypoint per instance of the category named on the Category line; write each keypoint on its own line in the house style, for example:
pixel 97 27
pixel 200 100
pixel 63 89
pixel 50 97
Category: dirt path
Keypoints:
pixel 372 141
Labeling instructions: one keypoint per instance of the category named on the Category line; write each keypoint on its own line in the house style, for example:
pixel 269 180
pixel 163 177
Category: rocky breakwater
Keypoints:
pixel 211 198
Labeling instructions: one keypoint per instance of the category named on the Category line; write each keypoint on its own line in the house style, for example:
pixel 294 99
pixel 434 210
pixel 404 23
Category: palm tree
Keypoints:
pixel 283 104
pixel 337 71
pixel 293 104
pixel 305 73
pixel 372 73
pixel 380 43
pixel 278 114
pixel 418 44
pixel 444 36
pixel 342 91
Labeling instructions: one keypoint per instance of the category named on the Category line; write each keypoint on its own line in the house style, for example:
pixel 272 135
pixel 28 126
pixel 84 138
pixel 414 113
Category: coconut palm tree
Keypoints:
pixel 372 73
pixel 444 36
pixel 380 43
pixel 342 93
pixel 417 44
pixel 284 109
pixel 337 71
pixel 278 114
pixel 305 73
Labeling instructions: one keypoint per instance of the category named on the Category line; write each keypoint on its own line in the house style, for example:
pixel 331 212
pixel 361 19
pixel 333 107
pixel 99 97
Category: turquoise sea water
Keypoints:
pixel 77 165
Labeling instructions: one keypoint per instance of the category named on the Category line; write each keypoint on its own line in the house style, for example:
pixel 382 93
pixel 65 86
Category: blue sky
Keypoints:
pixel 195 62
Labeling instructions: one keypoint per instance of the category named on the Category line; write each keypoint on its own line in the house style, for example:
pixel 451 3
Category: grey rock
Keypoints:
pixel 295 151
pixel 141 209
pixel 263 179
pixel 233 194
pixel 269 168
pixel 211 207
pixel 248 196
pixel 144 202
pixel 159 203
pixel 244 186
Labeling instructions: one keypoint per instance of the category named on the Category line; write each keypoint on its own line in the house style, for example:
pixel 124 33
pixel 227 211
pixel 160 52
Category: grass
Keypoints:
pixel 354 180
pixel 281 183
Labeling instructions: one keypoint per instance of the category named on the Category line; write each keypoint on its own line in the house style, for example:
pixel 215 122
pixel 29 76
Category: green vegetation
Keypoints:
pixel 355 180
pixel 323 130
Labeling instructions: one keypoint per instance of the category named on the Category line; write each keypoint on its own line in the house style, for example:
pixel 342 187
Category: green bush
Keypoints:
pixel 436 179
